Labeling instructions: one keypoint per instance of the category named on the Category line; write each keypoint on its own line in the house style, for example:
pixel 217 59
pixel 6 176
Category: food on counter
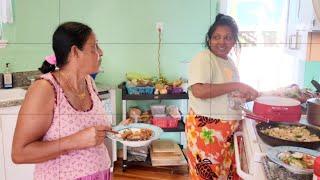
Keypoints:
pixel 292 91
pixel 163 91
pixel 138 79
pixel 177 83
pixel 134 114
pixel 173 111
pixel 145 117
pixel 292 133
pixel 297 159
pixel 136 135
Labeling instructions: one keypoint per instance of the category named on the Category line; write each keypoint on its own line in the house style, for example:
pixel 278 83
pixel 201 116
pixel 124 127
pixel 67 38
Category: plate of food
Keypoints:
pixel 136 134
pixel 295 159
pixel 288 134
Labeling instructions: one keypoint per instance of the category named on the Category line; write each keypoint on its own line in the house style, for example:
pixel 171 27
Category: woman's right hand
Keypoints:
pixel 248 92
pixel 89 137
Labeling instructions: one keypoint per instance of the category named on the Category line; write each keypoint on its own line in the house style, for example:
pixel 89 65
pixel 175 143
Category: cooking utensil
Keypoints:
pixel 313 111
pixel 251 115
pixel 112 131
pixel 273 155
pixel 273 141
pixel 316 85
pixel 275 108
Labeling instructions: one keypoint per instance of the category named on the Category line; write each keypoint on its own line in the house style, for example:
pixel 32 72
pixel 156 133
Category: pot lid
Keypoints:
pixel 277 101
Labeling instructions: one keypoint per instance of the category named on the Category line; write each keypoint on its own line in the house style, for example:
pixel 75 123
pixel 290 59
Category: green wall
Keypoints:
pixel 125 29
pixel 312 72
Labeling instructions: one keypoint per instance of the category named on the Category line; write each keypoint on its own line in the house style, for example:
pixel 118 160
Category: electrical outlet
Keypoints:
pixel 159 26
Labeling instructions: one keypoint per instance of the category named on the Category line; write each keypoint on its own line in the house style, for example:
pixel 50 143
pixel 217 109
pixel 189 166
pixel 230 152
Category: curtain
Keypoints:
pixel 6 15
pixel 316 7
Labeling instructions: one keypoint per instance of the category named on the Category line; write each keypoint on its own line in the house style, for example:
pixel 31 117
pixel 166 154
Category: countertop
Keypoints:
pixel 271 170
pixel 15 100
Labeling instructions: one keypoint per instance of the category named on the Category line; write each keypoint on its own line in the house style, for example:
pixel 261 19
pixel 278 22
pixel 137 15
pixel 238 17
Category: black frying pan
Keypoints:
pixel 281 142
pixel 316 85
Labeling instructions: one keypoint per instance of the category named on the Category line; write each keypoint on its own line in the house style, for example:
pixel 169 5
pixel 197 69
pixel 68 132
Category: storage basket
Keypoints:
pixel 139 90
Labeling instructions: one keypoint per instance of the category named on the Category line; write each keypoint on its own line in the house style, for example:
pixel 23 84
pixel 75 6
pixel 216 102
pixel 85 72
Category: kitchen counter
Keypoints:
pixel 15 96
pixel 11 97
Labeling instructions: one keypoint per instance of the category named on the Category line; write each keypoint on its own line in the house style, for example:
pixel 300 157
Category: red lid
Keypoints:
pixel 316 166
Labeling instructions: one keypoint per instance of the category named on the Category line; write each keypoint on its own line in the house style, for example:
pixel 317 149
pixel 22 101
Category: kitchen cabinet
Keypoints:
pixel 108 99
pixel 126 97
pixel 12 171
pixel 313 53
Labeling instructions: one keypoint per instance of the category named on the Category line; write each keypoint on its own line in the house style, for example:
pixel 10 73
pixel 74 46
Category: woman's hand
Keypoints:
pixel 89 137
pixel 247 92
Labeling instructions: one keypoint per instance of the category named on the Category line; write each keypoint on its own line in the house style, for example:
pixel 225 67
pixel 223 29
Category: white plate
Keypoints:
pixel 273 153
pixel 156 132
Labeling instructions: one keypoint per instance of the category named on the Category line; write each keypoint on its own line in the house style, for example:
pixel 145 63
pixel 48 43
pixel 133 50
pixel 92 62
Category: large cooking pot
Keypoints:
pixel 313 111
pixel 275 108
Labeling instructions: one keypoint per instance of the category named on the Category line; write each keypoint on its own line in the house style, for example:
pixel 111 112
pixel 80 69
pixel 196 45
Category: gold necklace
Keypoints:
pixel 80 95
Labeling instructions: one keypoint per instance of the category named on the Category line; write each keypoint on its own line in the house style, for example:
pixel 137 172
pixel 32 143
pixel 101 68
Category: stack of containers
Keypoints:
pixel 160 117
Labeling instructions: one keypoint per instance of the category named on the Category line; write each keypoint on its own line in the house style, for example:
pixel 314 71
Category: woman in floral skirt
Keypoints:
pixel 214 114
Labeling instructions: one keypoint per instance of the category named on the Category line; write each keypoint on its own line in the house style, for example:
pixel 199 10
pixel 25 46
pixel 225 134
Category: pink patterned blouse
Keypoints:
pixel 66 121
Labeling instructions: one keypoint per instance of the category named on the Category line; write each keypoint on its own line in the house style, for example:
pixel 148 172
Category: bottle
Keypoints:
pixel 7 77
pixel 316 169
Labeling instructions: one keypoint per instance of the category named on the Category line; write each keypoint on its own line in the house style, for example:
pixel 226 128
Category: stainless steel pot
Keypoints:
pixel 313 111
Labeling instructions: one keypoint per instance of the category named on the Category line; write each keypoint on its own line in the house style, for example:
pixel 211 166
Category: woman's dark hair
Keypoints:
pixel 65 36
pixel 223 20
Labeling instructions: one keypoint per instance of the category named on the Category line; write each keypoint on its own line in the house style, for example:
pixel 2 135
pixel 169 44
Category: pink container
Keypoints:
pixel 165 121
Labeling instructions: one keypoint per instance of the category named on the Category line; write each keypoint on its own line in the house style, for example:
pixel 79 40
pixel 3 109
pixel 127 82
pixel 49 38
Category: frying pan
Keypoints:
pixel 316 85
pixel 273 141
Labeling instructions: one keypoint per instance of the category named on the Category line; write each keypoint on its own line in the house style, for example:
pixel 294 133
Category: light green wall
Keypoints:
pixel 312 72
pixel 125 29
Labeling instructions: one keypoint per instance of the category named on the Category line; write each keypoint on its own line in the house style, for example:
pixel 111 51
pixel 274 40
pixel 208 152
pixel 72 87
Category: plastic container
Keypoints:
pixel 158 109
pixel 165 121
pixel 140 90
pixel 316 169
pixel 175 90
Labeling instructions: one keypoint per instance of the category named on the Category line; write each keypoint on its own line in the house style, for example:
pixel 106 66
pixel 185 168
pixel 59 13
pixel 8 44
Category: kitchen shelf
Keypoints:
pixel 155 97
pixel 179 128
pixel 142 97
pixel 126 96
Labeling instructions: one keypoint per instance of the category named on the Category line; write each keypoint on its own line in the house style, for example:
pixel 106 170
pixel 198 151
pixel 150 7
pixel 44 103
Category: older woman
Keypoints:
pixel 62 124
pixel 214 113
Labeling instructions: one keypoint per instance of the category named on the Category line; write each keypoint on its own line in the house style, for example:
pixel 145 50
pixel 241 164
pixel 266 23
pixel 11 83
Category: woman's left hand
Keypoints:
pixel 249 96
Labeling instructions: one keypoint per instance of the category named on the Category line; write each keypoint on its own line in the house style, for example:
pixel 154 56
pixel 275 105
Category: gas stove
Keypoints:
pixel 251 160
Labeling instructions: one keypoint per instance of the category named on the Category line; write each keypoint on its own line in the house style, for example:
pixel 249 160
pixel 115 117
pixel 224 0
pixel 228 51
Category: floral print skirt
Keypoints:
pixel 210 147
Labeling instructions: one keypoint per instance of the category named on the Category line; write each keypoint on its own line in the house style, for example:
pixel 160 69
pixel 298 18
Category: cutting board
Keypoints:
pixel 174 158
pixel 163 146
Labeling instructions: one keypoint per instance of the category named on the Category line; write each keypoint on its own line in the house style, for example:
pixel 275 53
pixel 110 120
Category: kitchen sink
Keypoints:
pixel 12 94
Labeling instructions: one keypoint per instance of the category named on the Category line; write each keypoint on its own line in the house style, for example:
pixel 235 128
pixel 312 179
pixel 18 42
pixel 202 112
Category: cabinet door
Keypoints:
pixel 2 169
pixel 12 171
pixel 111 144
